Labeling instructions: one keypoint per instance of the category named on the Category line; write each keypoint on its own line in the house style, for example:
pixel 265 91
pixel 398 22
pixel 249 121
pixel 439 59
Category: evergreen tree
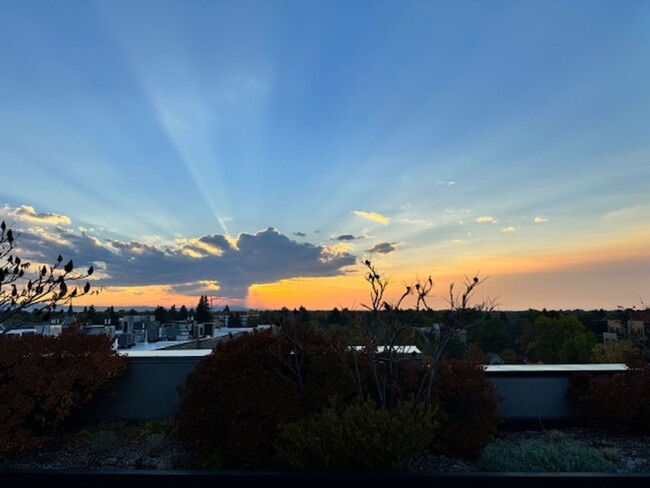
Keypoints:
pixel 203 310
pixel 91 315
pixel 112 315
pixel 161 314
pixel 173 313
pixel 183 313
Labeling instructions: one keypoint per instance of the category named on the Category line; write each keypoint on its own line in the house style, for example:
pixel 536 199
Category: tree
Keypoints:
pixel 203 310
pixel 91 315
pixel 112 316
pixel 560 340
pixel 182 313
pixel 173 313
pixel 161 315
pixel 383 327
pixel 41 290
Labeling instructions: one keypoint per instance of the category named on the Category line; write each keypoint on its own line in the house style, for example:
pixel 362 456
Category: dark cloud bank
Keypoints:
pixel 265 257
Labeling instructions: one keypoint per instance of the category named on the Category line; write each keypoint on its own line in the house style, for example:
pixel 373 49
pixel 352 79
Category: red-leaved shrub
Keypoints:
pixel 44 379
pixel 615 401
pixel 469 408
pixel 234 402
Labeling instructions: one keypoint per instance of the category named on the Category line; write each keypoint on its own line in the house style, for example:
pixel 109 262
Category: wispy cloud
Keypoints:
pixel 299 234
pixel 634 213
pixel 345 237
pixel 374 216
pixel 508 229
pixel 26 213
pixel 486 219
pixel 383 248
pixel 540 220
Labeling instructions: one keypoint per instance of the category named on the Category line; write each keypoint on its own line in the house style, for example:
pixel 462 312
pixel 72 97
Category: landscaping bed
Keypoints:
pixel 152 446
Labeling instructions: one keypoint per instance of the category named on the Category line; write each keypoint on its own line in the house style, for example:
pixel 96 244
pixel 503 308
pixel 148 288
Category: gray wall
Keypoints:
pixel 149 390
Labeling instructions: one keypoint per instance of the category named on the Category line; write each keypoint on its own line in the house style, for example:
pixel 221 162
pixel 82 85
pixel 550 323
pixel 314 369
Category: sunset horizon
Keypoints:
pixel 256 152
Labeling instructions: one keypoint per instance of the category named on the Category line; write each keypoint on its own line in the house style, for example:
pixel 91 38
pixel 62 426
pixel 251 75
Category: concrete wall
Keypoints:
pixel 149 389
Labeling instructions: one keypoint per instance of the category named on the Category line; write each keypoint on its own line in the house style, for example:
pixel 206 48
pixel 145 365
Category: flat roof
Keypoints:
pixel 519 368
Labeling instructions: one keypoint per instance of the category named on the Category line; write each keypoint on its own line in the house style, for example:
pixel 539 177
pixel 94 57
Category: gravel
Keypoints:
pixel 630 453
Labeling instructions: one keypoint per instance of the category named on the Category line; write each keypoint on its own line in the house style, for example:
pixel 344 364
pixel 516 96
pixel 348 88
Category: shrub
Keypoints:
pixel 232 403
pixel 542 456
pixel 469 416
pixel 44 379
pixel 616 401
pixel 357 437
pixel 103 440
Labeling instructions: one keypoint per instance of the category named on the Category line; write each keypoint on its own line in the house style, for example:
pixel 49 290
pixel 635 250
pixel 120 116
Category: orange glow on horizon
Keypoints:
pixel 545 276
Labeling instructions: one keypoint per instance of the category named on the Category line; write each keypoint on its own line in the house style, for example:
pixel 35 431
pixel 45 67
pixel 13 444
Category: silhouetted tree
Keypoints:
pixel 203 310
pixel 161 314
pixel 91 315
pixel 182 313
pixel 383 327
pixel 112 316
pixel 40 290
pixel 173 313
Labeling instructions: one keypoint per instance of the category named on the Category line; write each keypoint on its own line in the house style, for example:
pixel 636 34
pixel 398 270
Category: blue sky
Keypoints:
pixel 494 135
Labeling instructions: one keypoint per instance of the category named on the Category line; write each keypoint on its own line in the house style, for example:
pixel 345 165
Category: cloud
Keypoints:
pixel 339 248
pixel 635 213
pixel 264 257
pixel 374 216
pixel 198 288
pixel 383 248
pixel 300 234
pixel 451 183
pixel 540 220
pixel 345 237
pixel 28 214
pixel 508 229
pixel 486 218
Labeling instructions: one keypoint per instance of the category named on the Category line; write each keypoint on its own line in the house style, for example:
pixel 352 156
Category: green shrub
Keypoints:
pixel 469 409
pixel 43 380
pixel 357 437
pixel 156 441
pixel 102 440
pixel 543 456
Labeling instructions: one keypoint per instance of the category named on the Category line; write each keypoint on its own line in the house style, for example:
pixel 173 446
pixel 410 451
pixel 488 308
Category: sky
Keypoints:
pixel 257 151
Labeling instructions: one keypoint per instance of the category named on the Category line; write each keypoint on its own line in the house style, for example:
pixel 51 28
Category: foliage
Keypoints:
pixel 614 352
pixel 469 408
pixel 42 289
pixel 44 379
pixel 616 401
pixel 360 436
pixel 203 310
pixel 560 340
pixel 232 403
pixel 385 328
pixel 543 456
pixel 315 363
pixel 103 440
